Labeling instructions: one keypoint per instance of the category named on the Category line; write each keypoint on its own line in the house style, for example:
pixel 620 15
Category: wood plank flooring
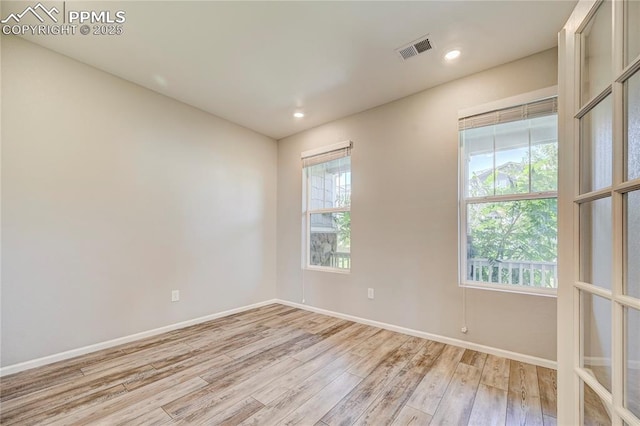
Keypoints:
pixel 278 365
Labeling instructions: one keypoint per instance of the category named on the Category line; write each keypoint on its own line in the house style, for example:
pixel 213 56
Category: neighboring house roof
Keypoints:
pixel 506 169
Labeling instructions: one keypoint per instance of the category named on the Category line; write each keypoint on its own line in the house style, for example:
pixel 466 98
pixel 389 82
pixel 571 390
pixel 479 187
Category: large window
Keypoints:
pixel 508 211
pixel 328 208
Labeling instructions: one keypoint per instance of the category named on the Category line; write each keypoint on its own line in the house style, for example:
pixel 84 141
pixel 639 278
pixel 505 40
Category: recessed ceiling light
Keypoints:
pixel 452 54
pixel 298 114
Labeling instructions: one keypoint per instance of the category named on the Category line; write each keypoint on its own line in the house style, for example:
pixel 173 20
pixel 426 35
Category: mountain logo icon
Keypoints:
pixel 38 10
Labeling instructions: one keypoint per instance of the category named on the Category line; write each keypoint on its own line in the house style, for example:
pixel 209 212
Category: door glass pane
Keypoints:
pixel 596 344
pixel 593 410
pixel 632 361
pixel 632 244
pixel 595 242
pixel 596 53
pixel 596 147
pixel 633 126
pixel 632 30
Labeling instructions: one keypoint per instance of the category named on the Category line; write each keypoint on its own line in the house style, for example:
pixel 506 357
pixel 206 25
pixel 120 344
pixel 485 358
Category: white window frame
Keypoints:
pixel 308 212
pixel 464 201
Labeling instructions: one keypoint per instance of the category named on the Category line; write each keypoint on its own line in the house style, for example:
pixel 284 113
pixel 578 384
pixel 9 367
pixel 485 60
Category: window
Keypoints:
pixel 328 207
pixel 508 209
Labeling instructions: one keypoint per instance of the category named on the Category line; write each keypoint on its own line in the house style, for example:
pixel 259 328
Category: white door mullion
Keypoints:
pixel 578 328
pixel 617 323
pixel 578 358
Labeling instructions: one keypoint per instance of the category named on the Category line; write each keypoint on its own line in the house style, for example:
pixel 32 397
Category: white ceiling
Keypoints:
pixel 255 63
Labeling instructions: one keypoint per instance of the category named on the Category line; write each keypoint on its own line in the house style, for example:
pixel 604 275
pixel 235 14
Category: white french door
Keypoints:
pixel 599 380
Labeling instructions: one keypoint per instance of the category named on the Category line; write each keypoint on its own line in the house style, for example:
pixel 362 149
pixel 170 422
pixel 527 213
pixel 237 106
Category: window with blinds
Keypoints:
pixel 508 198
pixel 328 207
pixel 539 108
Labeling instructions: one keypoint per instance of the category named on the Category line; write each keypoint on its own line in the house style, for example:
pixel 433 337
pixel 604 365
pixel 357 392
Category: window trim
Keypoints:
pixel 344 145
pixel 463 282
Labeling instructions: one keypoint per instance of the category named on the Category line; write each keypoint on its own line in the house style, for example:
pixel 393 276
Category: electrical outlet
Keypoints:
pixel 175 295
pixel 370 293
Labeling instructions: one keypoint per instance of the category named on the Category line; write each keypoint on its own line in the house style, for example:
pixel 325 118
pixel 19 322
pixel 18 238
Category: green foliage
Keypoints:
pixel 343 224
pixel 544 167
pixel 342 221
pixel 516 230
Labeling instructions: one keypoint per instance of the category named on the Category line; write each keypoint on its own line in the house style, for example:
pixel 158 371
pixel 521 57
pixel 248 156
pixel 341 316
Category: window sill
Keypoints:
pixel 510 288
pixel 327 269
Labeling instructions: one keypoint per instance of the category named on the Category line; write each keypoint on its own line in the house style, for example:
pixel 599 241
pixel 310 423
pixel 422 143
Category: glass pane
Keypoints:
pixel 513 242
pixel 632 246
pixel 512 158
pixel 330 240
pixel 594 412
pixel 478 146
pixel 595 242
pixel 544 153
pixel 632 361
pixel 595 147
pixel 596 53
pixel 633 126
pixel 596 332
pixel 632 30
pixel 329 184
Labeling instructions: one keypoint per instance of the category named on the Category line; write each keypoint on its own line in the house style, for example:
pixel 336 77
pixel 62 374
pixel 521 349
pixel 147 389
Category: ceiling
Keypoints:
pixel 255 63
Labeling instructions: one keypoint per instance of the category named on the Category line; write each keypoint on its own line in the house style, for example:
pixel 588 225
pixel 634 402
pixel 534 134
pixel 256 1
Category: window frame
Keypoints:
pixel 308 211
pixel 464 201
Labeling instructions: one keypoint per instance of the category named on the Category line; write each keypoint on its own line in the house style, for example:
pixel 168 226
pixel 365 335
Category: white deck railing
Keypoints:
pixel 519 272
pixel 341 260
pixel 532 274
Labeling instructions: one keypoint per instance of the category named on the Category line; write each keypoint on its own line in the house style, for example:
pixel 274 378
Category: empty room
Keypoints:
pixel 320 212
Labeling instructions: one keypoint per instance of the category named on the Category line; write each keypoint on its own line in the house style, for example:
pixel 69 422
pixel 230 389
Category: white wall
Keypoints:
pixel 112 196
pixel 404 217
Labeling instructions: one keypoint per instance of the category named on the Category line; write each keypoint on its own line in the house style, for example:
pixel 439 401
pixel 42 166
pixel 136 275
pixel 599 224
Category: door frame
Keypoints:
pixel 570 357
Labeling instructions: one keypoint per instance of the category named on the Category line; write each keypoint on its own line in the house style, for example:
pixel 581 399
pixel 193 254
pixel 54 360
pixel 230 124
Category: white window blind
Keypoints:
pixel 325 154
pixel 521 112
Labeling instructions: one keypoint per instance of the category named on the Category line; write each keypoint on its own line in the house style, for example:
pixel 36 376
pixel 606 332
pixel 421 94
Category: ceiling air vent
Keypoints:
pixel 415 48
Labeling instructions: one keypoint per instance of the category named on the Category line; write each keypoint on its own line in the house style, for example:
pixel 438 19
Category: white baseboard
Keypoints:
pixel 15 368
pixel 49 359
pixel 542 362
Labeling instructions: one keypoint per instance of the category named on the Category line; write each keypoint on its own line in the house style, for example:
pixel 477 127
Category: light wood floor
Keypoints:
pixel 280 365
